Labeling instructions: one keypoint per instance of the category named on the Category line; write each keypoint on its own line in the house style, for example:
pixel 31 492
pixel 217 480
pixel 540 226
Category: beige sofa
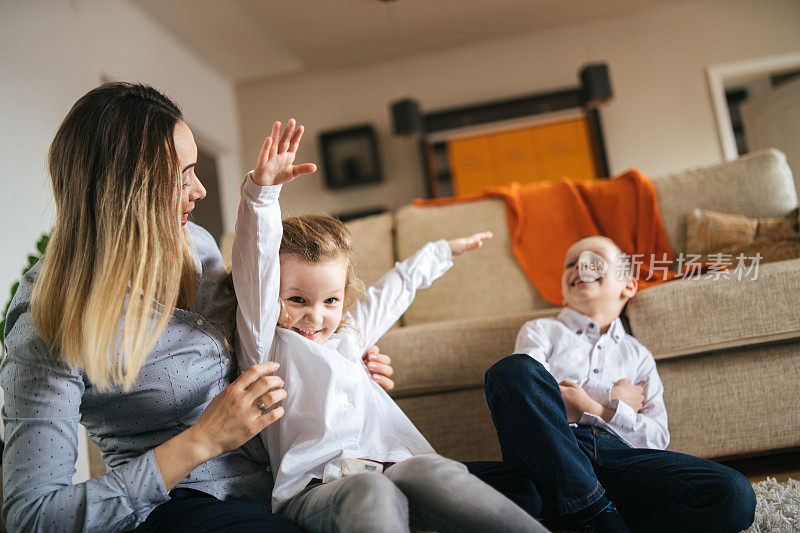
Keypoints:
pixel 728 351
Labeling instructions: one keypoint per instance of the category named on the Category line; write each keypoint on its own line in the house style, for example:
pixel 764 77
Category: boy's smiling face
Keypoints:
pixel 592 281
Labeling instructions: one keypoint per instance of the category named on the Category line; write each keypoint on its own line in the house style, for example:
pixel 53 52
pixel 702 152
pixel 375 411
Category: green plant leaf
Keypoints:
pixel 41 246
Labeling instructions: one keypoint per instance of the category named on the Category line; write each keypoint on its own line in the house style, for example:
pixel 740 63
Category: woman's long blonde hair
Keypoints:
pixel 118 261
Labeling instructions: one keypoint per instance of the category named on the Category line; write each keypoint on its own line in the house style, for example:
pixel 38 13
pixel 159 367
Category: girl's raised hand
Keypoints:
pixel 274 165
pixel 459 246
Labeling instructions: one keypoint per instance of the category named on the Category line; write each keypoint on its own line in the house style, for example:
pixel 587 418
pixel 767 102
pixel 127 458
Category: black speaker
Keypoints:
pixel 595 84
pixel 406 117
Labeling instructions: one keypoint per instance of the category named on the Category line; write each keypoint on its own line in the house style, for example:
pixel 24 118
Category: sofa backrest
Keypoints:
pixel 759 184
pixel 486 282
pixel 373 245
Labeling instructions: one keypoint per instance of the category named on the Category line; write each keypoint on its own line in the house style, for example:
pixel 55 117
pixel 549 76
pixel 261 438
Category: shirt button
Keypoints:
pixel 599 347
pixel 580 331
pixel 591 326
pixel 596 370
pixel 200 322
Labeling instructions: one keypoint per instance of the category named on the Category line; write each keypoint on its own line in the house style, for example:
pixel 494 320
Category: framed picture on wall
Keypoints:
pixel 350 157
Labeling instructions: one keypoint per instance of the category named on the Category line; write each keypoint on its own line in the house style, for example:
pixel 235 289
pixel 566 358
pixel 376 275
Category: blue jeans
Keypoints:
pixel 192 511
pixel 510 482
pixel 577 471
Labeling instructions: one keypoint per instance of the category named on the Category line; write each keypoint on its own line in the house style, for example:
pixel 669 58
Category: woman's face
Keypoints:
pixel 191 188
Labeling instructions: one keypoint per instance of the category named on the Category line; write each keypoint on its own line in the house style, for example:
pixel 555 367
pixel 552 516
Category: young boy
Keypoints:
pixel 579 409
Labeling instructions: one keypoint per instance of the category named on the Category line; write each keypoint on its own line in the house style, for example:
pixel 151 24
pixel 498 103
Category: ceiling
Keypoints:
pixel 249 39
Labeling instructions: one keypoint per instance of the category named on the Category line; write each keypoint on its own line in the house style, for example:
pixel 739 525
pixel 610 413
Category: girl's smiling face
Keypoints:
pixel 312 295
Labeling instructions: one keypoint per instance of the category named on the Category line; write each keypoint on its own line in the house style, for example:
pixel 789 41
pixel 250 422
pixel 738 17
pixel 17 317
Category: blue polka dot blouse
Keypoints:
pixel 45 400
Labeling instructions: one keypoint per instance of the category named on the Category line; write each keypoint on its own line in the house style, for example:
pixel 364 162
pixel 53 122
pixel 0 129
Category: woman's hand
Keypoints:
pixel 459 246
pixel 236 414
pixel 274 165
pixel 380 368
pixel 232 418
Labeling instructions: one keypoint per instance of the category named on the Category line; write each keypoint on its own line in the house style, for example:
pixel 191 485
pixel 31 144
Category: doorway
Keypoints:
pixel 757 105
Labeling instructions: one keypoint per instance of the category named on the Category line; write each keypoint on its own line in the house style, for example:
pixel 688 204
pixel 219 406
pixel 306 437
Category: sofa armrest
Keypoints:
pixel 692 316
pixel 450 355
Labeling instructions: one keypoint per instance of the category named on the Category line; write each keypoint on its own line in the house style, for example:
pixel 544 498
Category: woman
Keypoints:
pixel 125 326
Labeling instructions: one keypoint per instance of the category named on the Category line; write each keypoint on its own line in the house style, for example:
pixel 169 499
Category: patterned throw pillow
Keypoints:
pixel 710 233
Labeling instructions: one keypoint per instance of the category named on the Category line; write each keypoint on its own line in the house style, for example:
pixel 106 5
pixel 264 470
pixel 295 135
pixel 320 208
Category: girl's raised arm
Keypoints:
pixel 257 240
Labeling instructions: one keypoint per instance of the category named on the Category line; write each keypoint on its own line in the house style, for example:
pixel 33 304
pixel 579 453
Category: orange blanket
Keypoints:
pixel 544 219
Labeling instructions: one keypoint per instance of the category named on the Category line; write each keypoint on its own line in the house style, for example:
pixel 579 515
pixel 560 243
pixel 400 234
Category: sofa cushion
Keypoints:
pixel 483 283
pixel 757 185
pixel 733 402
pixel 710 231
pixel 714 235
pixel 372 245
pixel 451 354
pixel 697 315
pixel 457 424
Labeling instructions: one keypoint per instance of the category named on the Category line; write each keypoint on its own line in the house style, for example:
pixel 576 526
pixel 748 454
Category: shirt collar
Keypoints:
pixel 581 324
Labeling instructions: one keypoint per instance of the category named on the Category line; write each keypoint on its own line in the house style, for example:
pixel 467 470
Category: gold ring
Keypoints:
pixel 261 405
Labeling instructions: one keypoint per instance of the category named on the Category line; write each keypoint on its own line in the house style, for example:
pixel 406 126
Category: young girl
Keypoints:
pixel 338 421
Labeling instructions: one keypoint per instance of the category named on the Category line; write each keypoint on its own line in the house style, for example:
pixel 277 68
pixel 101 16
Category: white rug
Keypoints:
pixel 777 506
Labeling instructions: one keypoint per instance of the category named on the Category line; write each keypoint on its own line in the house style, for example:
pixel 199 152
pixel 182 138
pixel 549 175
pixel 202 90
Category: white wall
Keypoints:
pixel 51 53
pixel 54 51
pixel 659 120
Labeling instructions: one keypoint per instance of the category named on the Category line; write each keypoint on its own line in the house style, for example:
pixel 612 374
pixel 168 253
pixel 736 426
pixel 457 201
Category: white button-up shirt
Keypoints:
pixel 572 348
pixel 334 410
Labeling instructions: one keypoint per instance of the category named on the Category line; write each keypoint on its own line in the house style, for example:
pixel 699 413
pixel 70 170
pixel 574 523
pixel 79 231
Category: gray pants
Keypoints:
pixel 426 492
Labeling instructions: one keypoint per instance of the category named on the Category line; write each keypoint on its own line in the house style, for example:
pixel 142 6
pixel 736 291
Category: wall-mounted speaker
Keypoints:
pixel 406 117
pixel 595 84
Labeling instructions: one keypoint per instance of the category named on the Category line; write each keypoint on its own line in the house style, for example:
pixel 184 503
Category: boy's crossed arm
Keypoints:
pixel 633 395
pixel 639 417
pixel 578 401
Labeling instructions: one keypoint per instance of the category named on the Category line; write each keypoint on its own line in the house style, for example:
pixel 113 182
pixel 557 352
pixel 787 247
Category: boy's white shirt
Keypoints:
pixel 333 410
pixel 571 348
